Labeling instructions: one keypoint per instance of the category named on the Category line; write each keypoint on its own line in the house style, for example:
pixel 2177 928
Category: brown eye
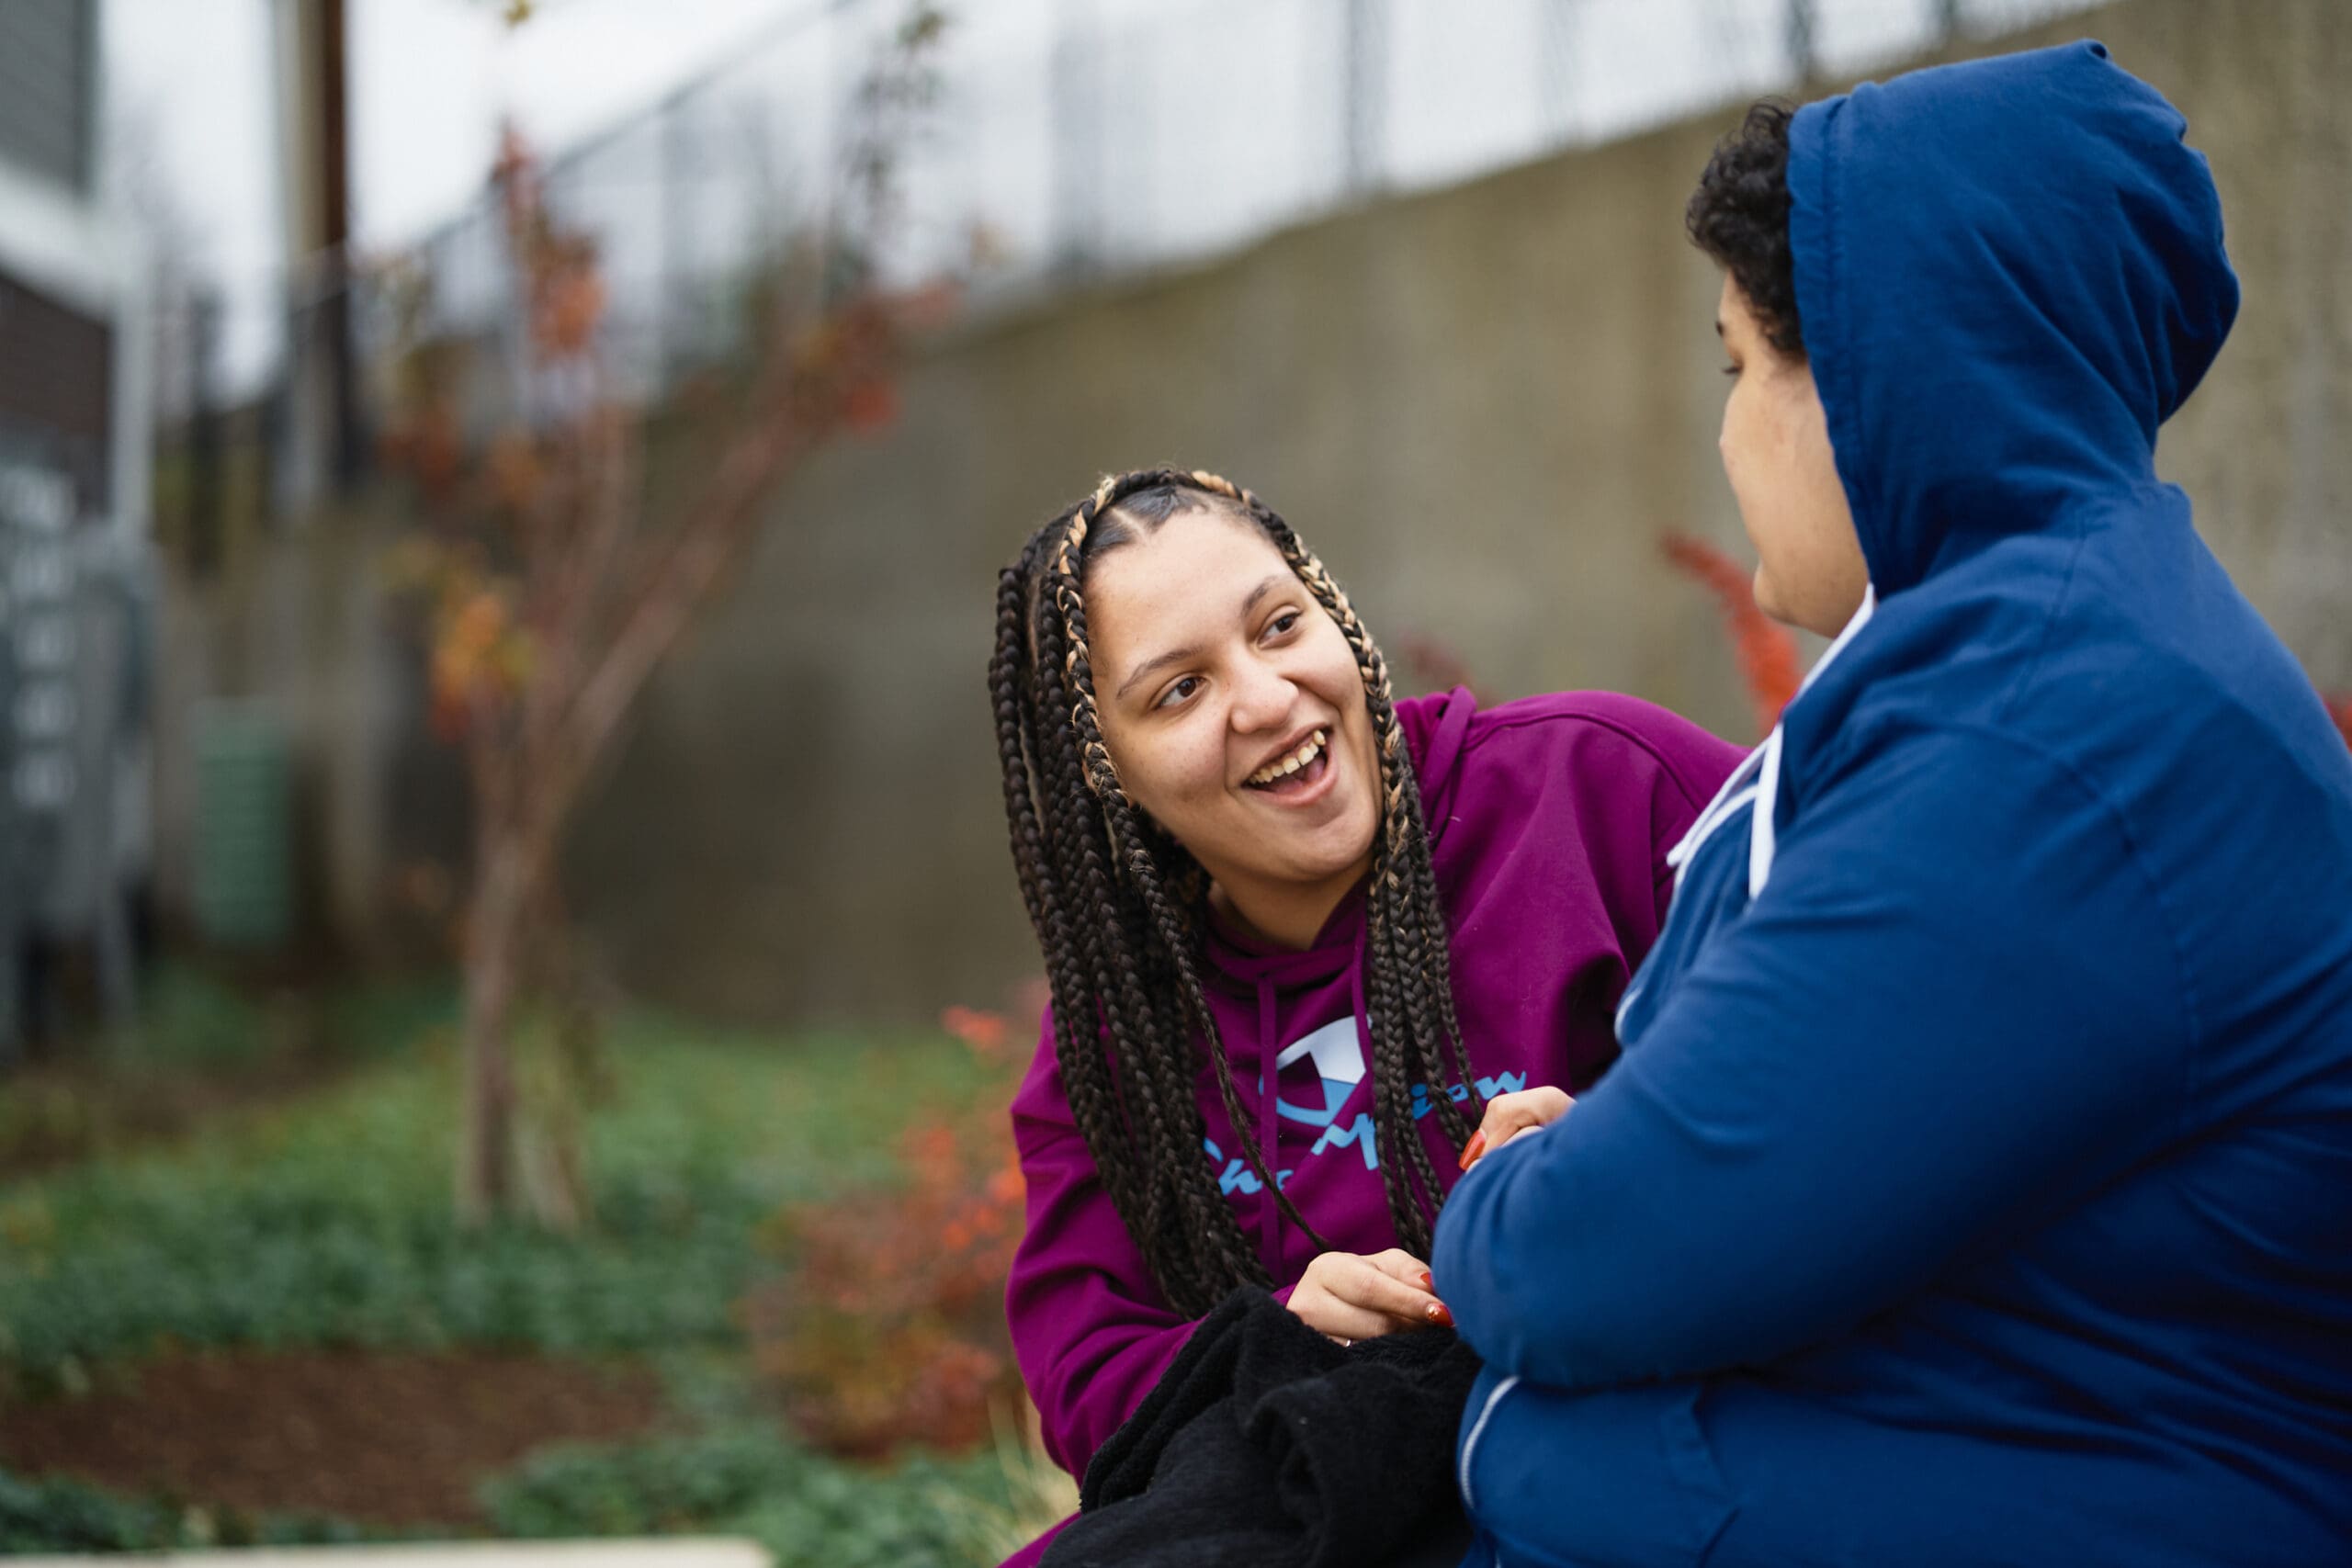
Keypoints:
pixel 1179 691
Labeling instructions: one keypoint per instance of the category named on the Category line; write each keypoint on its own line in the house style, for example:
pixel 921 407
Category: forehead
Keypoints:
pixel 1167 585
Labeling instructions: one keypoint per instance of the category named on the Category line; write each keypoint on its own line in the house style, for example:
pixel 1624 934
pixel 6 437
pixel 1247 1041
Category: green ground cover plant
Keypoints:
pixel 59 1516
pixel 328 1221
pixel 323 1220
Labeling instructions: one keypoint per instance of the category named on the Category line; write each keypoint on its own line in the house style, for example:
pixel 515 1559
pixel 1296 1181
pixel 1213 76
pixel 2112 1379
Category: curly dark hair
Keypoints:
pixel 1739 216
pixel 1119 907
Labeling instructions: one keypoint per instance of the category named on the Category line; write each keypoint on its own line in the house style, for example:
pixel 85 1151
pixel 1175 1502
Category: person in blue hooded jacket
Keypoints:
pixel 1975 1184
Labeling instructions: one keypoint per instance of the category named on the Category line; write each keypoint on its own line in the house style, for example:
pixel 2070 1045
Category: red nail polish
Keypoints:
pixel 1438 1315
pixel 1473 1148
pixel 1428 1282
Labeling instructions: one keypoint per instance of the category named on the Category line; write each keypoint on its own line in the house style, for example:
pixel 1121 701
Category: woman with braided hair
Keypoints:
pixel 1301 937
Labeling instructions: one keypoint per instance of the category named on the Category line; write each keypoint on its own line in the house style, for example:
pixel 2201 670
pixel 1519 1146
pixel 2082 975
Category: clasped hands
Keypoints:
pixel 1350 1296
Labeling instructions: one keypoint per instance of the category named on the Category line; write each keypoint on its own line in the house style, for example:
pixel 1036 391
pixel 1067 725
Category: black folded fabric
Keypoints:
pixel 1268 1445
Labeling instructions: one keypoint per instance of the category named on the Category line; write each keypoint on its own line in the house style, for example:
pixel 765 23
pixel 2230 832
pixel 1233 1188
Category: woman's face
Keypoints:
pixel 1234 714
pixel 1810 571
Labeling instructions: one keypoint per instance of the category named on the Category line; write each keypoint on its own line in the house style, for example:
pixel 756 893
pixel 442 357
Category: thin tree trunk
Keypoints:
pixel 494 918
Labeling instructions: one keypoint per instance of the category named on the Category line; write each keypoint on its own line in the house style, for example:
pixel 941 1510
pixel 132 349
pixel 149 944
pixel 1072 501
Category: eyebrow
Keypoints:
pixel 1180 655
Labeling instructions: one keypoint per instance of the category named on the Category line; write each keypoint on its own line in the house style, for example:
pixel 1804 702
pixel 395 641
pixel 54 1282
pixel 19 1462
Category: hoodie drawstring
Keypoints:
pixel 1270 1212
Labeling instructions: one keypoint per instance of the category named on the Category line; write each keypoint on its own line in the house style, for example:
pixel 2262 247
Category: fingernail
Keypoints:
pixel 1428 1282
pixel 1473 1148
pixel 1438 1315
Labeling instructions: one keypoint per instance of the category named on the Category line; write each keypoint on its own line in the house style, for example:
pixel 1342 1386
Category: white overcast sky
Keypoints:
pixel 430 82
pixel 193 90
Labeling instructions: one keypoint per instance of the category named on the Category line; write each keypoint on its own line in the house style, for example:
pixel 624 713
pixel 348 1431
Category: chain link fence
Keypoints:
pixel 1076 141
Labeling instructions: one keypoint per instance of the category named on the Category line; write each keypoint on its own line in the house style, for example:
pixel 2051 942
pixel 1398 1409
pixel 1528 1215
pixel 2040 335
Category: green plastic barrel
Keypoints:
pixel 244 826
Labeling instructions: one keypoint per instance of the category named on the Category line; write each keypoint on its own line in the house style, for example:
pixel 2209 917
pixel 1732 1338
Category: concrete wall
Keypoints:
pixel 1482 406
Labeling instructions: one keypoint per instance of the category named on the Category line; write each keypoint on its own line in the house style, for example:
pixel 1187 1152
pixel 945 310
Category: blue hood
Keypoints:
pixel 1971 1186
pixel 1986 354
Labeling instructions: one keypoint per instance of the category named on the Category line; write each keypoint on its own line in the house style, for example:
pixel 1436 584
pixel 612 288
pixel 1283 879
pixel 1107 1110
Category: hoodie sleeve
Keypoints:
pixel 1955 1001
pixel 1091 1330
pixel 1691 765
pixel 1567 795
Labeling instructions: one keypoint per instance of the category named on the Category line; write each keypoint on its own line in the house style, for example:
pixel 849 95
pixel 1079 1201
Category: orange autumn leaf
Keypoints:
pixel 1007 1186
pixel 515 471
pixel 476 629
pixel 427 448
pixel 870 406
pixel 981 1030
pixel 568 310
pixel 890 1329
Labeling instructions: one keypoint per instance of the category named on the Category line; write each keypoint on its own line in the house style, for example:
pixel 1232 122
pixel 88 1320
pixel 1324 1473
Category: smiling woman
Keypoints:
pixel 1301 936
pixel 1239 720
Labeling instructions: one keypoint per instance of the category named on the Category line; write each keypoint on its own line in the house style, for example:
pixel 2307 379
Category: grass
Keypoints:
pixel 326 1219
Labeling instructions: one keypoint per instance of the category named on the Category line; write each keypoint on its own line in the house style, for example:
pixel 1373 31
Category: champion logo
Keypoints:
pixel 1338 1054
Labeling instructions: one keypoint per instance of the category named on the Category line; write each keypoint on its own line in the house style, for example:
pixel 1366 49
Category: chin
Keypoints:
pixel 1336 850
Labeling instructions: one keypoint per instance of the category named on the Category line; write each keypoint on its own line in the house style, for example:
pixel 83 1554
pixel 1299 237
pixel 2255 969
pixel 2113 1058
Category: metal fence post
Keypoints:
pixel 1365 103
pixel 1075 93
pixel 1800 34
pixel 1555 68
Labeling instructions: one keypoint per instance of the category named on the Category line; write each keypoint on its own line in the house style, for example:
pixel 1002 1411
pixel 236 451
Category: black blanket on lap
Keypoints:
pixel 1267 1446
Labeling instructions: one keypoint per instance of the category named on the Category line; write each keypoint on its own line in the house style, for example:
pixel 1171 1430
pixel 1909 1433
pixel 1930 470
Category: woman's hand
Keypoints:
pixel 1509 1116
pixel 1349 1296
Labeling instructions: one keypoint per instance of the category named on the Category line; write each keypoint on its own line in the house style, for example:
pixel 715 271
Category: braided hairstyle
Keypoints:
pixel 1119 904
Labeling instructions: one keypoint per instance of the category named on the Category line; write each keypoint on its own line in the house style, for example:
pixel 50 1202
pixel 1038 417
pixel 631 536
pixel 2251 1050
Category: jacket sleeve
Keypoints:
pixel 1955 1002
pixel 1090 1329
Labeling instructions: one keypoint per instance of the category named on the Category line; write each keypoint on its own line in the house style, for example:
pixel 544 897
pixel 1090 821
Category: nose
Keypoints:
pixel 1264 698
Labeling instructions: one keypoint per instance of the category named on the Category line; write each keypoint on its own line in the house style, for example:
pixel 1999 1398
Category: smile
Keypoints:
pixel 1296 769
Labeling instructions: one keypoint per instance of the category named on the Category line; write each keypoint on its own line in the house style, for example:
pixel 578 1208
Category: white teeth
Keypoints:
pixel 1283 769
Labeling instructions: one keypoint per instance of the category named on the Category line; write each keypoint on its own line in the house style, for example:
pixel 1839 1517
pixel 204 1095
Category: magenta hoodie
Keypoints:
pixel 1549 822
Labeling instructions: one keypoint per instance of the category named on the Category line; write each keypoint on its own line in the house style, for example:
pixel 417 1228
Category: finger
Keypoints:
pixel 1507 1113
pixel 1400 1264
pixel 1509 1116
pixel 1414 1274
pixel 1372 1290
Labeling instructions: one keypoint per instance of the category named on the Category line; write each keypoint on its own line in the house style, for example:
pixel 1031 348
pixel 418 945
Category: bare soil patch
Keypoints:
pixel 378 1437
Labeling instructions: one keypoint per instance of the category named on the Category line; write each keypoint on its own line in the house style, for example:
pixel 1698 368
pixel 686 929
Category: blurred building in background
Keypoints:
pixel 1412 269
pixel 75 585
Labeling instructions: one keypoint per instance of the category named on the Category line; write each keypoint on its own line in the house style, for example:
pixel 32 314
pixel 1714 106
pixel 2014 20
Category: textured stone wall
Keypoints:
pixel 1481 405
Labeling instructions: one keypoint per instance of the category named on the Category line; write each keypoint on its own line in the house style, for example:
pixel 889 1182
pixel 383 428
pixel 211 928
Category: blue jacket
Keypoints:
pixel 1976 1187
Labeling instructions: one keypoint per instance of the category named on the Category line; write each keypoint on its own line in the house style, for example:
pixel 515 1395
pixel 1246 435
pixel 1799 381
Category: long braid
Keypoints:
pixel 1085 1072
pixel 1113 991
pixel 1118 906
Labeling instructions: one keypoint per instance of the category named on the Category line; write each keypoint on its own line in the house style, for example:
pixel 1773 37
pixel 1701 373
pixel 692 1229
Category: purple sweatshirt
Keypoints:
pixel 1549 822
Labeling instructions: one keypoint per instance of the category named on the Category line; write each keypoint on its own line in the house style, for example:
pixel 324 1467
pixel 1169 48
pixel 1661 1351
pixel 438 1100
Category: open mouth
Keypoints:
pixel 1295 770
